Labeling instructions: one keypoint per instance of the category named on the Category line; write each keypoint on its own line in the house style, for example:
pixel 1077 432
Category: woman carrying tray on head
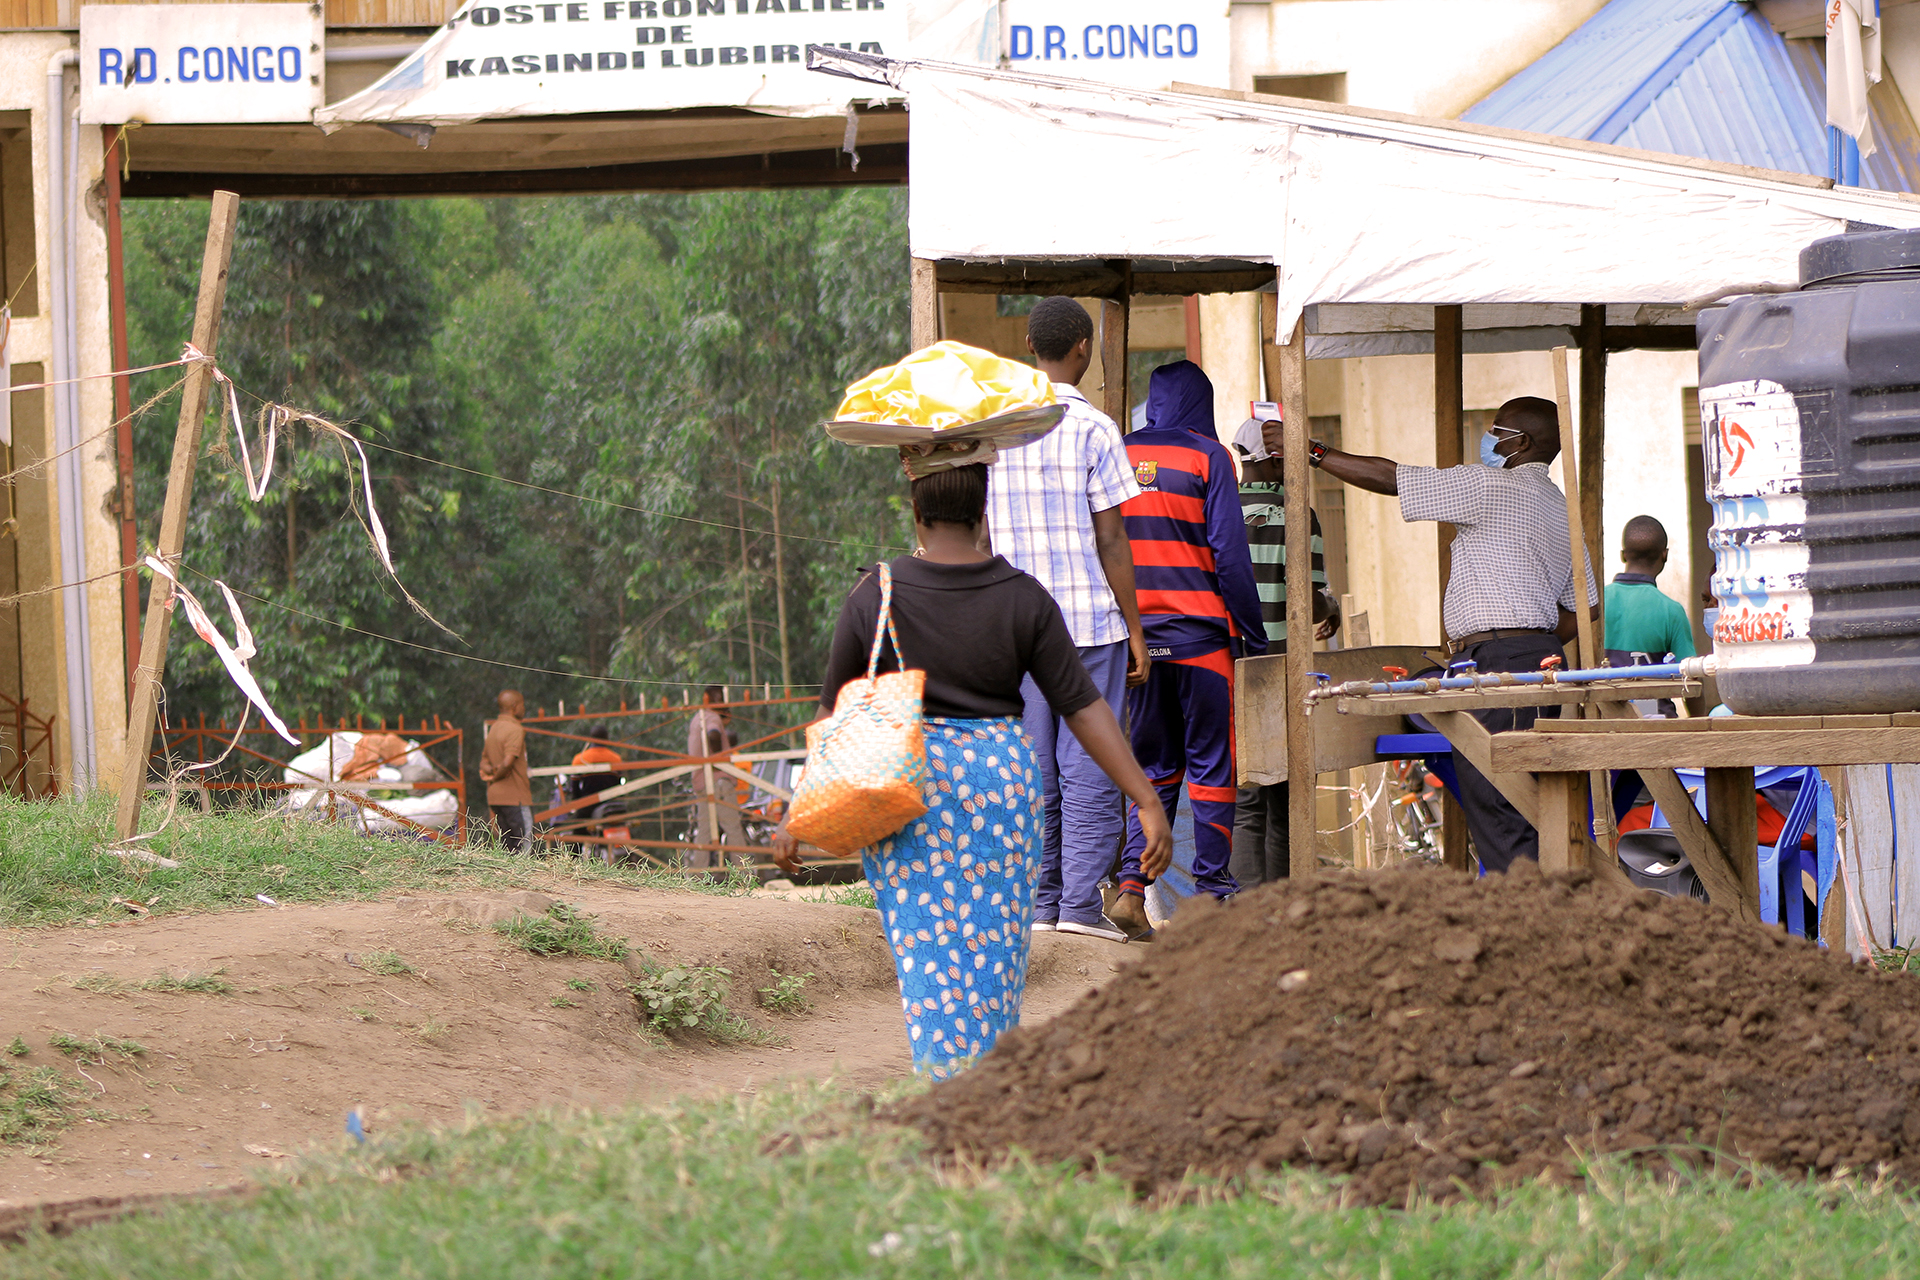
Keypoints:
pixel 955 886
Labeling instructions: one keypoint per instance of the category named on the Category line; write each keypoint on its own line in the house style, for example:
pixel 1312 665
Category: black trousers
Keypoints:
pixel 1260 845
pixel 1501 835
pixel 516 826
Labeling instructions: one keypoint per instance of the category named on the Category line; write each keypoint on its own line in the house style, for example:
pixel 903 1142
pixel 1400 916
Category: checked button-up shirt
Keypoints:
pixel 1041 500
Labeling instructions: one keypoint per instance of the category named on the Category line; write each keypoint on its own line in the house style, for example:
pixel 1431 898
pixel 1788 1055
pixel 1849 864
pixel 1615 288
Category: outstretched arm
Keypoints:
pixel 1376 475
pixel 1099 735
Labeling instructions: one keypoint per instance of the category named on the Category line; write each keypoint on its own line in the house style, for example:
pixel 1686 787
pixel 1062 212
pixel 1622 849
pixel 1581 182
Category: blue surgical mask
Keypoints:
pixel 1488 456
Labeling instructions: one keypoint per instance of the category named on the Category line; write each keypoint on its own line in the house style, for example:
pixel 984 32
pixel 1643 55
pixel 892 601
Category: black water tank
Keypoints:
pixel 1810 422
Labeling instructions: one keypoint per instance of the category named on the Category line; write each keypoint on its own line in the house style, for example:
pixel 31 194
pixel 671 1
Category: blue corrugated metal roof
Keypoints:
pixel 1706 78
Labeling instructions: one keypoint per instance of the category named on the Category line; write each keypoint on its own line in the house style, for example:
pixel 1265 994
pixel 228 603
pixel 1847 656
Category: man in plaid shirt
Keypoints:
pixel 1511 594
pixel 1053 508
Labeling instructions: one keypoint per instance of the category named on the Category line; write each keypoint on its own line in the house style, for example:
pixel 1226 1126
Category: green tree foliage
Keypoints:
pixel 669 358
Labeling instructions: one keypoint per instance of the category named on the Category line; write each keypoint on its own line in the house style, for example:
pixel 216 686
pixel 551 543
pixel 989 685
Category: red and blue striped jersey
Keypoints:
pixel 1190 562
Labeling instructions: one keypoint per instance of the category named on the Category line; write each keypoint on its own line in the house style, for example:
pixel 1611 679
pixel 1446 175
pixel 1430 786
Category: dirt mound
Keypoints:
pixel 1414 1029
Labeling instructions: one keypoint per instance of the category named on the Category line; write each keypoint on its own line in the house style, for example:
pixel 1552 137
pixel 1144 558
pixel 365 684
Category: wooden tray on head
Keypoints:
pixel 1008 430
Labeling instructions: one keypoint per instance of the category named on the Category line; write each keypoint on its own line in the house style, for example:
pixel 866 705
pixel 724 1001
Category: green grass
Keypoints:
pixel 581 984
pixel 55 868
pixel 388 964
pixel 18 1048
pixel 845 895
pixel 786 993
pixel 562 931
pixel 680 997
pixel 37 1105
pixel 95 1049
pixel 204 984
pixel 805 1184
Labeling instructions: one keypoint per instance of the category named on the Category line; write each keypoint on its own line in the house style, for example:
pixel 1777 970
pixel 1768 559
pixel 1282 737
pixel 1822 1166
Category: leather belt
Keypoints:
pixel 1459 643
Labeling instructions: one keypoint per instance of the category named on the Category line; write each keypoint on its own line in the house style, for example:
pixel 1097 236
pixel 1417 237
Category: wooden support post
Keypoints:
pixel 1734 822
pixel 1562 824
pixel 173 516
pixel 1577 543
pixel 1593 427
pixel 924 309
pixel 1302 829
pixel 1449 416
pixel 1449 411
pixel 1115 315
pixel 115 136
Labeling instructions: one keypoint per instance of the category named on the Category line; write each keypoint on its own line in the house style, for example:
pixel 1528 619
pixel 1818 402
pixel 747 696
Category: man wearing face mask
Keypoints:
pixel 1510 598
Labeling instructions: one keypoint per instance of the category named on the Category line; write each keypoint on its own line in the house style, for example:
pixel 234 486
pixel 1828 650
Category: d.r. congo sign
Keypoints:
pixel 623 35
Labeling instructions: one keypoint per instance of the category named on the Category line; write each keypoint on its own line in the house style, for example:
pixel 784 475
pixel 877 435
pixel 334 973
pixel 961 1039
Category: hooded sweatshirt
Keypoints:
pixel 1195 579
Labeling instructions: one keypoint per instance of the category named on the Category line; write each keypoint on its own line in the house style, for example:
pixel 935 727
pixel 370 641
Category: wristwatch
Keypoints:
pixel 1316 453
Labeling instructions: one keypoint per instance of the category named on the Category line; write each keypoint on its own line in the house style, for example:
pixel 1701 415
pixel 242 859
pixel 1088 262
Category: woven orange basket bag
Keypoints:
pixel 867 762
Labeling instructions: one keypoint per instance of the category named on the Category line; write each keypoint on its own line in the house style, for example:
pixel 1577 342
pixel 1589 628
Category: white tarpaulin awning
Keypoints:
pixel 493 60
pixel 1354 206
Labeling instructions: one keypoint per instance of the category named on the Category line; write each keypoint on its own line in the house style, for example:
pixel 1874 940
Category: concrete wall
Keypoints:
pixel 23 62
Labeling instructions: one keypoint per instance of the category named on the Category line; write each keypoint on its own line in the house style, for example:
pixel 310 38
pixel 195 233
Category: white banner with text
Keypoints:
pixel 493 61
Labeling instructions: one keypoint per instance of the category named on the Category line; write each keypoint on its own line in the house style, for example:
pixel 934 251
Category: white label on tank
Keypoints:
pixel 1750 435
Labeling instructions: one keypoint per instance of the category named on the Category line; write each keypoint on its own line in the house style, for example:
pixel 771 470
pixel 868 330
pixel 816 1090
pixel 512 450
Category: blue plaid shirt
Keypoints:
pixel 1041 500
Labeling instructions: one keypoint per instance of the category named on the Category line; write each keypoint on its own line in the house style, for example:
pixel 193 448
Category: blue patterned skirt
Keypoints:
pixel 955 888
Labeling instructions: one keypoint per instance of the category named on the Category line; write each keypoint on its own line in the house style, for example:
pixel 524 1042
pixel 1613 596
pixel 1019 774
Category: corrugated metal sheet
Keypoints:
pixel 1705 78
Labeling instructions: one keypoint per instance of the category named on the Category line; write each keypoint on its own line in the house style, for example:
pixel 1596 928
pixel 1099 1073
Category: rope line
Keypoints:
pixel 467 657
pixel 621 506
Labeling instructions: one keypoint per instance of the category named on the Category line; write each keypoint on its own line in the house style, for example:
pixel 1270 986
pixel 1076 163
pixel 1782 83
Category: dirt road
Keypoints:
pixel 312 1031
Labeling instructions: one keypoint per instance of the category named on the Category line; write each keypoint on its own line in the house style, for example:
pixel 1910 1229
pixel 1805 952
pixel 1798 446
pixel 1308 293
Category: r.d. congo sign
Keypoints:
pixel 494 60
pixel 198 63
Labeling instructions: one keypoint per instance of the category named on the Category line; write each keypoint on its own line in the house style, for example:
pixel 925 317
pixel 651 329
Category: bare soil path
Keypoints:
pixel 311 1032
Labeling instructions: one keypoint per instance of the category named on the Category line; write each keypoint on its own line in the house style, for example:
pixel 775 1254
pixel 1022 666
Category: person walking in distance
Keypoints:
pixel 1261 851
pixel 1201 610
pixel 716 804
pixel 1053 510
pixel 503 767
pixel 1510 598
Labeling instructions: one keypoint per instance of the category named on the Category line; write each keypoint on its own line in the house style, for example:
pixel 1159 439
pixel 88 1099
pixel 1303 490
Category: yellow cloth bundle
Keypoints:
pixel 948 384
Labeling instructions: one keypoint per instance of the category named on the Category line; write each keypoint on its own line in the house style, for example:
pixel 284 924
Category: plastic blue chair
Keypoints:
pixel 1782 897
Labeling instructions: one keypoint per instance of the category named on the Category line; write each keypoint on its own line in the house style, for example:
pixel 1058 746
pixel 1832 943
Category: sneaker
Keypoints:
pixel 1101 928
pixel 1045 926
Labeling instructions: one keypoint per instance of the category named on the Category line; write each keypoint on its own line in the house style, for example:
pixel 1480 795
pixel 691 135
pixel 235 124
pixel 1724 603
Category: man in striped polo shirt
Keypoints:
pixel 1260 846
pixel 1200 610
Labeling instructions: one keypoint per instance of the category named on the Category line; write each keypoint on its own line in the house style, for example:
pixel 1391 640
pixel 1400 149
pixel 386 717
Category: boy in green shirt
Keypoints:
pixel 1640 620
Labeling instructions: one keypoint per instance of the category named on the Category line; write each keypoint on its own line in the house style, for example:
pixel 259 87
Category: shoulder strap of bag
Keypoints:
pixel 883 625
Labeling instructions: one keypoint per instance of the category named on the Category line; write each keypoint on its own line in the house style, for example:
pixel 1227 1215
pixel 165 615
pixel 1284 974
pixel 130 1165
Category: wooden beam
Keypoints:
pixel 1717 873
pixel 1538 752
pixel 1565 844
pixel 881 165
pixel 1650 337
pixel 1116 314
pixel 1471 739
pixel 924 313
pixel 1449 414
pixel 1577 544
pixel 1732 817
pixel 145 706
pixel 1593 433
pixel 1302 827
